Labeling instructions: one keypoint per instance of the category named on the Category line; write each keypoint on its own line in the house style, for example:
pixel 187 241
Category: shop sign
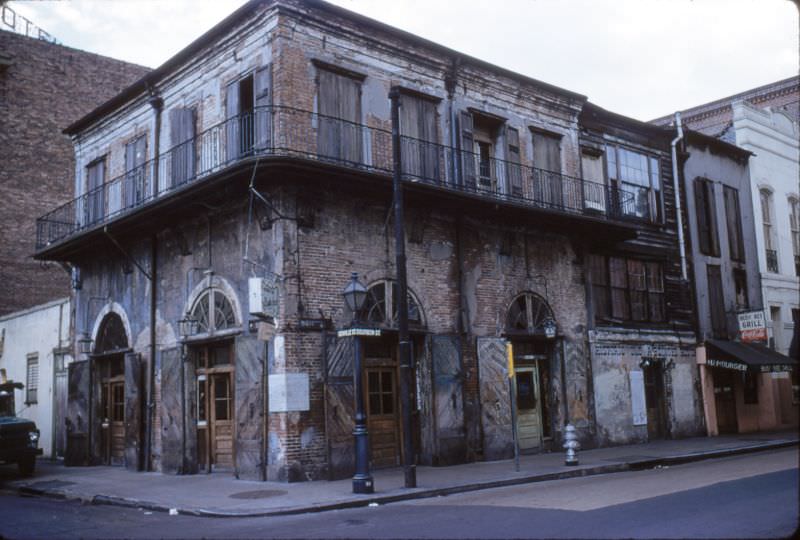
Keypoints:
pixel 752 326
pixel 725 364
pixel 776 368
pixel 362 332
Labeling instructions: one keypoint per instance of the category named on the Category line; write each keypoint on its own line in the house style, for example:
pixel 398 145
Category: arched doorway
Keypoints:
pixel 530 325
pixel 213 360
pixel 111 344
pixel 381 370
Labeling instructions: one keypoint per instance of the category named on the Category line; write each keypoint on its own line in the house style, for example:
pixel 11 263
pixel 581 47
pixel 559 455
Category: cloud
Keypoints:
pixel 642 58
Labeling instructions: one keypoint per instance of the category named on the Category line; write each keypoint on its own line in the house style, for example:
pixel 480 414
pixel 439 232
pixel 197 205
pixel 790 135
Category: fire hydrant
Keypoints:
pixel 571 444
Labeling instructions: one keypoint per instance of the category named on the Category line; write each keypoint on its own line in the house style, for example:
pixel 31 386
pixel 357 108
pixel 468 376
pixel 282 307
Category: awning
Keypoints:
pixel 743 356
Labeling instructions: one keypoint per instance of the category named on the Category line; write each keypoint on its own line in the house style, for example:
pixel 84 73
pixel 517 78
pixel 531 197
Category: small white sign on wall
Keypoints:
pixel 638 404
pixel 288 392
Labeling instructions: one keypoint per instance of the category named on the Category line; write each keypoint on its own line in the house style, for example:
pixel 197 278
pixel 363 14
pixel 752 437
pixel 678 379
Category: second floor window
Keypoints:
pixel 95 200
pixel 418 129
pixel 768 231
pixel 733 218
pixel 740 285
pixel 637 178
pixel 182 135
pixel 135 178
pixel 706 211
pixel 627 289
pixel 794 225
pixel 339 135
pixel 248 118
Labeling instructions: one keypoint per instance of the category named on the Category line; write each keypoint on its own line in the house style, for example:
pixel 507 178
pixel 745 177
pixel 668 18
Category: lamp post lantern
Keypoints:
pixel 355 294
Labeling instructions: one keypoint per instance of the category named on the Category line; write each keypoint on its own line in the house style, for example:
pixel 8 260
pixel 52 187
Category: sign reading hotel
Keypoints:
pixel 752 326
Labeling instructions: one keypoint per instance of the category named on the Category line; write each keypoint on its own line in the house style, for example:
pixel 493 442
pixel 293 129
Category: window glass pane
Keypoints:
pixel 654 181
pixel 201 400
pixel 388 404
pixel 526 395
pixel 611 161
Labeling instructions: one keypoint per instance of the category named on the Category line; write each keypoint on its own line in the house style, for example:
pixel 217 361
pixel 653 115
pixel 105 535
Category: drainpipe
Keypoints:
pixel 157 103
pixel 675 182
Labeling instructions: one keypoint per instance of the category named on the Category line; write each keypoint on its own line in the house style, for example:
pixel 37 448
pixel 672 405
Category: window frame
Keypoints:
pixel 32 379
pixel 655 190
pixel 733 219
pixel 647 285
pixel 706 217
pixel 794 230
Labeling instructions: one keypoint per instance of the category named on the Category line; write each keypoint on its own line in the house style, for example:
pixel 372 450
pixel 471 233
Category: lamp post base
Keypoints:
pixel 363 484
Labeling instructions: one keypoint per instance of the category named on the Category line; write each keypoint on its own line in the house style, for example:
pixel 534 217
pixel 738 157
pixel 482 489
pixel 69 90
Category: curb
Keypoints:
pixel 637 465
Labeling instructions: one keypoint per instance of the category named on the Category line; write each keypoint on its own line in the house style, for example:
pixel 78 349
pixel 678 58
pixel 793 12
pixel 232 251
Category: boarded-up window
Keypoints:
pixel 182 136
pixel 418 129
pixel 339 135
pixel 594 192
pixel 733 218
pixel 716 301
pixel 32 379
pixel 547 179
pixel 706 217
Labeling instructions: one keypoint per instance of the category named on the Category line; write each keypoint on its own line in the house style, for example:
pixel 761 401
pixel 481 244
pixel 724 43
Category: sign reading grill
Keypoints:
pixel 752 326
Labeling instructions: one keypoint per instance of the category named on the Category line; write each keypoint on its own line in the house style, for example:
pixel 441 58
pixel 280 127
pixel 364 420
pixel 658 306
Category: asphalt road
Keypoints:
pixel 752 496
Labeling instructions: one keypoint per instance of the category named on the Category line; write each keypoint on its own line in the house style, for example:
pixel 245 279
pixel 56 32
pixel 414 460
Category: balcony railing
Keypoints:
pixel 288 132
pixel 772 260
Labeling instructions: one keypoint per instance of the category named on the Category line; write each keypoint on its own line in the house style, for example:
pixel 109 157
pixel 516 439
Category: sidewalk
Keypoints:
pixel 222 495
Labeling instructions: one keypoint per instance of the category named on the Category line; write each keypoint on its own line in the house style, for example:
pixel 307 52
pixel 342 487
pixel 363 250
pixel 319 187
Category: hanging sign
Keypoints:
pixel 752 326
pixel 263 296
pixel 363 332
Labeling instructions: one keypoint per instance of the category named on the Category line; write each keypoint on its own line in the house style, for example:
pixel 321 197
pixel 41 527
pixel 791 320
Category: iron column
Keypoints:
pixel 409 468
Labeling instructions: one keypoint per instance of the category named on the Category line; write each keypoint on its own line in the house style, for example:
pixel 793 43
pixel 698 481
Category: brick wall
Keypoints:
pixel 45 88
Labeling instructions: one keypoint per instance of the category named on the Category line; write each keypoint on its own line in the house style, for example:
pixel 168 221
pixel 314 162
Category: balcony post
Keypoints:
pixel 409 468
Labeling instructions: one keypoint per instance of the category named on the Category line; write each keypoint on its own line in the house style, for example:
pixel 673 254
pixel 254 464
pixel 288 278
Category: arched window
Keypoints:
pixel 528 314
pixel 209 320
pixel 111 335
pixel 770 244
pixel 380 308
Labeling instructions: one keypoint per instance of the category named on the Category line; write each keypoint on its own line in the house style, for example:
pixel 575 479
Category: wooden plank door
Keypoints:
pixel 654 400
pixel 117 434
pixel 221 421
pixel 382 417
pixel 529 415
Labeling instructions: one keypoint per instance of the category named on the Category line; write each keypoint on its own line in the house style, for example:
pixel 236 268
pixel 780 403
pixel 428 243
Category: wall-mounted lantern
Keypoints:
pixel 187 326
pixel 550 328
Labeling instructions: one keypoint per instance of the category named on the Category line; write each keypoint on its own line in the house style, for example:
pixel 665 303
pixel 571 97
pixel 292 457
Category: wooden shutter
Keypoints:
pixel 411 145
pixel 429 133
pixel 734 223
pixel 249 408
pixel 448 400
pixel 716 301
pixel 513 156
pixel 232 123
pixel 95 203
pixel 498 441
pixel 467 150
pixel 339 406
pixel 182 135
pixel 637 290
pixel 78 398
pixel 133 412
pixel 263 115
pixel 655 292
pixel 706 217
pixel 600 290
pixel 618 279
pixel 547 165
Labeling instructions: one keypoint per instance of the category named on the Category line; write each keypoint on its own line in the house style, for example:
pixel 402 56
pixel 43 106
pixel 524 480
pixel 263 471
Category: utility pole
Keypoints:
pixel 409 468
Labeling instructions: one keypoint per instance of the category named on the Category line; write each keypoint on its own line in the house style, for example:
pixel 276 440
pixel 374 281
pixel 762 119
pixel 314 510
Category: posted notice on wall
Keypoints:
pixel 288 392
pixel 638 404
pixel 752 326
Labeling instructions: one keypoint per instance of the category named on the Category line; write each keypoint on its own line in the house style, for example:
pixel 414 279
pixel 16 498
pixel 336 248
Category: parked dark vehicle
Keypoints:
pixel 19 438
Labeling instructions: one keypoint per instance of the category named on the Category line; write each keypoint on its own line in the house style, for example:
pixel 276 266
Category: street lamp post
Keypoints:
pixel 354 295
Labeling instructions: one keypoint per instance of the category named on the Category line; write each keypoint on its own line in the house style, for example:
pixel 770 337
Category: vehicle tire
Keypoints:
pixel 27 466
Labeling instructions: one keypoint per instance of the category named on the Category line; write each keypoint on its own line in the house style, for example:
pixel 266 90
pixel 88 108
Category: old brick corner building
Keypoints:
pixel 237 187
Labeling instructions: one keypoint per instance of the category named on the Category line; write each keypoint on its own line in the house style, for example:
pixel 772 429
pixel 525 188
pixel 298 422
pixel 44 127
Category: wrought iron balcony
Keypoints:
pixel 287 132
pixel 772 260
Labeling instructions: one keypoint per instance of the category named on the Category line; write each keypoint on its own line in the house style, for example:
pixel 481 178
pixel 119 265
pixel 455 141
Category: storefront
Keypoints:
pixel 746 387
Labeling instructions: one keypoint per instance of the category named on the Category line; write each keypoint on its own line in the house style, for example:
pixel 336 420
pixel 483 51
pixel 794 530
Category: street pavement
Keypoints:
pixel 222 495
pixel 745 496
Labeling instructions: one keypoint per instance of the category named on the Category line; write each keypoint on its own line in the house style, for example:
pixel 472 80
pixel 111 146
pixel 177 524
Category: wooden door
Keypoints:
pixel 654 399
pixel 220 423
pixel 113 422
pixel 725 401
pixel 382 416
pixel 529 408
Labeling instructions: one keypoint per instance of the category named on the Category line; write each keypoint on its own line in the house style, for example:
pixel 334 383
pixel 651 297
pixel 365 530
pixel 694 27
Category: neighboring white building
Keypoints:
pixel 774 172
pixel 34 350
pixel 764 120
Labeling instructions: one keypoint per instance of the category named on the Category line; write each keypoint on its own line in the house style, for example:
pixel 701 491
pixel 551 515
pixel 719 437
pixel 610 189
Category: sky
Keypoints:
pixel 639 58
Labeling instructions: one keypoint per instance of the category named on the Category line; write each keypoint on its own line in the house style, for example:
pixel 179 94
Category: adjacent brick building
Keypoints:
pixel 256 165
pixel 43 88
